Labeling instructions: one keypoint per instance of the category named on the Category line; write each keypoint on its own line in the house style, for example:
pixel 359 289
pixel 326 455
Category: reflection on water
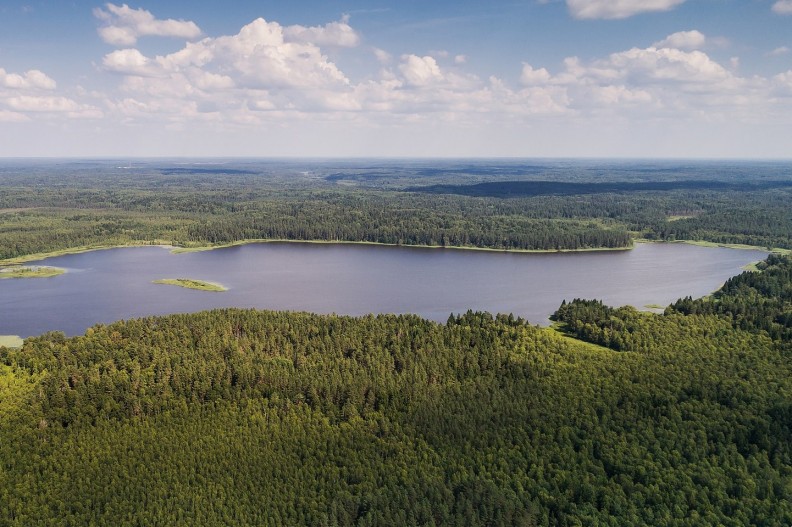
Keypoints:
pixel 103 286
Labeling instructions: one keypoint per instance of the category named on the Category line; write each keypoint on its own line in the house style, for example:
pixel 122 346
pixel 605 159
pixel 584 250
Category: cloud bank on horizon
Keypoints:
pixel 286 83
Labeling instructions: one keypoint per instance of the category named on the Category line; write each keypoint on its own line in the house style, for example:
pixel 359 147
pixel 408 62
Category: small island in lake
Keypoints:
pixel 30 271
pixel 200 285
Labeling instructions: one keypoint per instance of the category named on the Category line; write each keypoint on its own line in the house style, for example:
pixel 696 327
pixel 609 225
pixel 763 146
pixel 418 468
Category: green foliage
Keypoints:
pixel 756 301
pixel 240 417
pixel 253 417
pixel 47 208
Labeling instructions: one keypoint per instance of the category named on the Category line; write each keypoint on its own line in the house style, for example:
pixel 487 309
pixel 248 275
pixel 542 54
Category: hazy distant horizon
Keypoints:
pixel 397 158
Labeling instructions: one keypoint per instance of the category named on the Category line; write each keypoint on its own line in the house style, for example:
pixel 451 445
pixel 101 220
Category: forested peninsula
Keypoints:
pixel 263 418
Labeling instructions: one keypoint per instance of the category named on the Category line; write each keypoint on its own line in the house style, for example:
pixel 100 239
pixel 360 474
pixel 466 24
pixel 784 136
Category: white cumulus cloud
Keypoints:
pixel 617 9
pixel 29 103
pixel 664 65
pixel 33 93
pixel 783 7
pixel 269 73
pixel 34 79
pixel 420 71
pixel 338 34
pixel 382 56
pixel 782 84
pixel 13 117
pixel 131 62
pixel 657 82
pixel 531 76
pixel 122 25
pixel 693 39
pixel 259 56
pixel 235 78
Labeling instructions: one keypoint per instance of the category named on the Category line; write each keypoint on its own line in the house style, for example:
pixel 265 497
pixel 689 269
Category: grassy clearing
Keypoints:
pixel 700 243
pixel 17 209
pixel 730 246
pixel 199 285
pixel 560 329
pixel 654 306
pixel 30 271
pixel 10 341
pixel 751 266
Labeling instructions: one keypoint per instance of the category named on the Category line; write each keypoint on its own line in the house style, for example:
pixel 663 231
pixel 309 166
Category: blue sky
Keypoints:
pixel 531 78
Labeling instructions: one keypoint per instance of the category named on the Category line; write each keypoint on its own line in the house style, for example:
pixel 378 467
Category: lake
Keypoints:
pixel 108 285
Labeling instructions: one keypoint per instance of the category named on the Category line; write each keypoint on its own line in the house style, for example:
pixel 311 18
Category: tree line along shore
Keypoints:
pixel 42 214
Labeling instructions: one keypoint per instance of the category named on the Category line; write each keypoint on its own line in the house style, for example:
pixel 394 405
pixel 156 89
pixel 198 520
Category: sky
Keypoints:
pixel 381 78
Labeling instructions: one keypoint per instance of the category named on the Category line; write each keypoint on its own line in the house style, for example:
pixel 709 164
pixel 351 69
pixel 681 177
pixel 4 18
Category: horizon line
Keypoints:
pixel 395 158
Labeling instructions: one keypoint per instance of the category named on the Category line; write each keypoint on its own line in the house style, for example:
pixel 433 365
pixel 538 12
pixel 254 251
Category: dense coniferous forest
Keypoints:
pixel 561 206
pixel 262 418
pixel 760 302
pixel 242 417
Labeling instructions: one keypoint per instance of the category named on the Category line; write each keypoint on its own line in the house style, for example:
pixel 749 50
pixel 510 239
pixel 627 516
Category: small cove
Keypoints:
pixel 107 285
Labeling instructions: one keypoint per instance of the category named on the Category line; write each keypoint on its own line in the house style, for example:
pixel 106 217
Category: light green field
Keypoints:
pixel 774 250
pixel 654 306
pixel 560 330
pixel 32 271
pixel 751 267
pixel 735 246
pixel 199 285
pixel 10 341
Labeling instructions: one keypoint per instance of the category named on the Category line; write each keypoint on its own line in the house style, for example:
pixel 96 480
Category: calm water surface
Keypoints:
pixel 104 286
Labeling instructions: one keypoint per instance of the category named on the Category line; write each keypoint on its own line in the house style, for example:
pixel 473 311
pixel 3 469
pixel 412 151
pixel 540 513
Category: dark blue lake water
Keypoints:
pixel 104 286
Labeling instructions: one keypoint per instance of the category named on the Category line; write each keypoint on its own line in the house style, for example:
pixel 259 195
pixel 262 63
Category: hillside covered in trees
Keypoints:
pixel 241 417
pixel 57 205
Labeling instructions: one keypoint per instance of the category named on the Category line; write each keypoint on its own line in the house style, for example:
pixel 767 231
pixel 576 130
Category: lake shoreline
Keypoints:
pixel 17 260
pixel 179 250
pixel 175 249
pixel 340 278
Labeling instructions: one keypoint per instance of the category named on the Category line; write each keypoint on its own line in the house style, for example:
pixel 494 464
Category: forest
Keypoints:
pixel 243 417
pixel 514 206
